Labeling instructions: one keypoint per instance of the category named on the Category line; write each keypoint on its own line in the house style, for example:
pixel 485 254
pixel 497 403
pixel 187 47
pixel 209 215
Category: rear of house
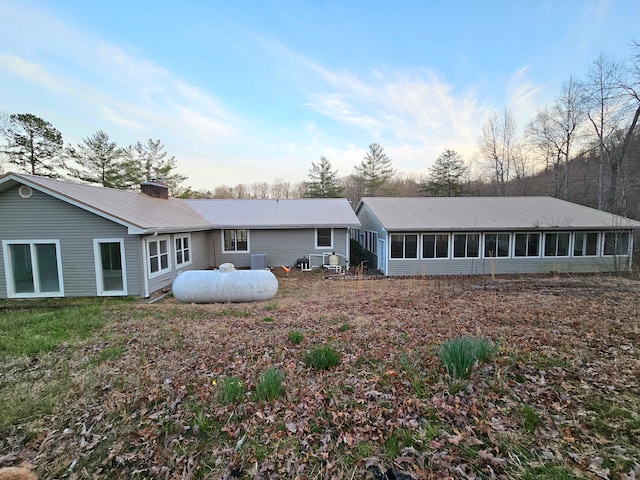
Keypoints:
pixel 482 235
pixel 63 239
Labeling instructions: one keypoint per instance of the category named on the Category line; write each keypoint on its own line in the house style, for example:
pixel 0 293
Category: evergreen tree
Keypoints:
pixel 446 176
pixel 99 161
pixel 33 145
pixel 323 182
pixel 375 170
pixel 148 162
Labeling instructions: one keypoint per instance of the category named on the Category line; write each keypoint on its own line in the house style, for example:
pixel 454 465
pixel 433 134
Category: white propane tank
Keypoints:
pixel 225 285
pixel 333 259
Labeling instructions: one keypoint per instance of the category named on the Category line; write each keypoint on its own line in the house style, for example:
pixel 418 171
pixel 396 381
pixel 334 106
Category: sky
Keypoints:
pixel 255 91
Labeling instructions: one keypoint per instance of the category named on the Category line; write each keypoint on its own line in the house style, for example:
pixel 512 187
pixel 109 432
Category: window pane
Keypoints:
pixel 592 244
pixel 550 240
pixel 179 259
pixel 111 261
pixel 473 245
pixel 47 267
pixel 442 246
pixel 521 245
pixel 490 245
pixel 164 261
pixel 324 237
pixel 186 256
pixel 459 245
pixel 428 246
pixel 178 244
pixel 153 248
pixel 411 246
pixel 21 268
pixel 397 246
pixel 229 240
pixel 503 245
pixel 163 246
pixel 563 244
pixel 533 244
pixel 241 238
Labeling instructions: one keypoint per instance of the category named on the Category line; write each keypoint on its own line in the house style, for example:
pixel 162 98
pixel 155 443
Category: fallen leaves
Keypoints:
pixel 569 354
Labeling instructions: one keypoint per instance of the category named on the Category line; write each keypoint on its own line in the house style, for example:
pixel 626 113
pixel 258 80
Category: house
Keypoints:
pixel 482 235
pixel 67 239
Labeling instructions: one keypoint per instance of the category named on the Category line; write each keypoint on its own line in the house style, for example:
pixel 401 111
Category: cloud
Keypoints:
pixel 33 72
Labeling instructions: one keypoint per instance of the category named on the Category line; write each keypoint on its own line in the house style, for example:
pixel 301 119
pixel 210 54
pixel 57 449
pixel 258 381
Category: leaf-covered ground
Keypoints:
pixel 560 399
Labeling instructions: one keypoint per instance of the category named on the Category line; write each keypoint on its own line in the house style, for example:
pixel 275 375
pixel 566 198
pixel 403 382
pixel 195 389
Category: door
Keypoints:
pixel 111 275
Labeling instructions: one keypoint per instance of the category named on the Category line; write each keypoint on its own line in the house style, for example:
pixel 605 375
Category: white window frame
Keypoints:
pixel 36 281
pixel 404 246
pixel 616 235
pixel 584 239
pixel 435 246
pixel 497 234
pixel 235 230
pixel 569 244
pixel 528 234
pixel 161 271
pixel 324 247
pixel 466 244
pixel 182 237
pixel 98 267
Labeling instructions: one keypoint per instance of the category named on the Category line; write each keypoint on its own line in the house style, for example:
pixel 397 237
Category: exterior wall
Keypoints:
pixel 44 217
pixel 503 265
pixel 281 246
pixel 199 260
pixel 486 266
pixel 370 223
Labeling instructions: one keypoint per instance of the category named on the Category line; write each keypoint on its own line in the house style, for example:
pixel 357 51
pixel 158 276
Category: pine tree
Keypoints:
pixel 375 170
pixel 446 176
pixel 98 160
pixel 33 145
pixel 149 161
pixel 323 181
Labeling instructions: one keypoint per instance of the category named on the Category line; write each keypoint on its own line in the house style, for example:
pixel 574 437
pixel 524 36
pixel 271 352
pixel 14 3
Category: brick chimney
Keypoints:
pixel 155 189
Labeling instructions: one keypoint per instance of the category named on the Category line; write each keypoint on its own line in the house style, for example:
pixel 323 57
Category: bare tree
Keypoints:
pixel 498 144
pixel 260 190
pixel 604 110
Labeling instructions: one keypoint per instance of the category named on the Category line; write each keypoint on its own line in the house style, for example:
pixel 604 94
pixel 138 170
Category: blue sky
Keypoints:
pixel 253 91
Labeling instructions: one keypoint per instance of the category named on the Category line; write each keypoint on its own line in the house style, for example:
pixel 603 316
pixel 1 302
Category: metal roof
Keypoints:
pixel 271 213
pixel 145 214
pixel 137 211
pixel 488 213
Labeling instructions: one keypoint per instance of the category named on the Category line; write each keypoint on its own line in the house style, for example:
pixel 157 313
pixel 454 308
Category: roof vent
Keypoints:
pixel 155 189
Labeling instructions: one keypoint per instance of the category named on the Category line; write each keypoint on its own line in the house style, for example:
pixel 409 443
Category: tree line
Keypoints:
pixel 34 146
pixel 584 146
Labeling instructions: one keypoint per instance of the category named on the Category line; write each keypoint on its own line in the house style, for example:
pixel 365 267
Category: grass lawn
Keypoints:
pixel 530 378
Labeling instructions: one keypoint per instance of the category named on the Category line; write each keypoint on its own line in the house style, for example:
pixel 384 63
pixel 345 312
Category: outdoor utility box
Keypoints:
pixel 258 261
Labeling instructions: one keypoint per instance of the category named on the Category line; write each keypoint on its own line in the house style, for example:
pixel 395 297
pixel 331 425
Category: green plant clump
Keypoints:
pixel 460 354
pixel 270 386
pixel 230 390
pixel 322 358
pixel 295 337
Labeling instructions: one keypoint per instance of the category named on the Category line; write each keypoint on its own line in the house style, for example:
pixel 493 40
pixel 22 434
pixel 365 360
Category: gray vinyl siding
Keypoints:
pixel 44 217
pixel 370 223
pixel 281 246
pixel 487 266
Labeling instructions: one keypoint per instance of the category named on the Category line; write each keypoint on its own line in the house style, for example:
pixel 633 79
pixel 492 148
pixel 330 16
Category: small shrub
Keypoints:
pixel 322 358
pixel 295 336
pixel 460 354
pixel 458 357
pixel 268 319
pixel 344 327
pixel 270 385
pixel 230 390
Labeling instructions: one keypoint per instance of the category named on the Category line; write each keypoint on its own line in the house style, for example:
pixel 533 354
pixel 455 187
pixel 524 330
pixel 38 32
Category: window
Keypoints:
pixel 158 255
pixel 33 268
pixel 585 244
pixel 527 245
pixel 324 238
pixel 183 250
pixel 371 241
pixel 616 243
pixel 404 246
pixel 435 245
pixel 466 245
pixel 496 245
pixel 556 244
pixel 236 240
pixel 111 275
